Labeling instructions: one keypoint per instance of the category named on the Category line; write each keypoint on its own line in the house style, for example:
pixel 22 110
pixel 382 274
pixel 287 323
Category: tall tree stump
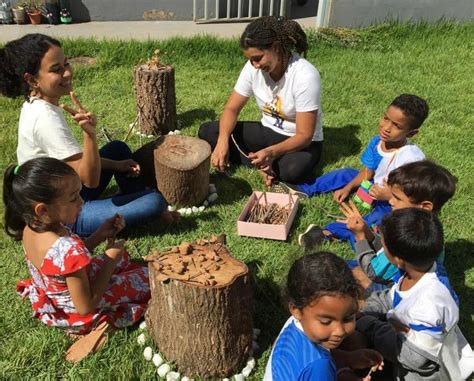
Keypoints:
pixel 200 312
pixel 182 169
pixel 155 98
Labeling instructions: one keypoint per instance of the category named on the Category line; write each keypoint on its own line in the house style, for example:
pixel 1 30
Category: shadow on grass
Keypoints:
pixel 229 188
pixel 187 118
pixel 458 259
pixel 339 142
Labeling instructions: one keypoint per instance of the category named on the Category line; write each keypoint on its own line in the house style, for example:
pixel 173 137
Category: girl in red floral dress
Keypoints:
pixel 69 288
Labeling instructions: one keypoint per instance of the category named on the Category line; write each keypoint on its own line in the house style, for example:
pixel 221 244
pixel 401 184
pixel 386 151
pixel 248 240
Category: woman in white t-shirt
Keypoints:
pixel 286 143
pixel 35 66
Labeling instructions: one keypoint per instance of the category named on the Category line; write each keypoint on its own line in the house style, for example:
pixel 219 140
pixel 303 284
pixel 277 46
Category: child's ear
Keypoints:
pixel 296 312
pixel 41 210
pixel 427 205
pixel 412 133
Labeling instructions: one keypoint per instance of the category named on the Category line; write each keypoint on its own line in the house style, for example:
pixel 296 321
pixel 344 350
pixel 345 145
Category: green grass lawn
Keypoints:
pixel 362 71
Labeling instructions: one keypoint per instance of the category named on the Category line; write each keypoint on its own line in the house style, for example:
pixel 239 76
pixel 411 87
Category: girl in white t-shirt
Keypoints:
pixel 286 143
pixel 35 67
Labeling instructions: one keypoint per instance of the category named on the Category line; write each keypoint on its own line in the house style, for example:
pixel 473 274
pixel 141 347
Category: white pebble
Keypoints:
pixel 171 133
pixel 182 211
pixel 239 377
pixel 225 379
pixel 185 378
pixel 171 208
pixel 195 209
pixel 157 359
pixel 148 353
pixel 246 371
pixel 163 370
pixel 141 339
pixel 150 136
pixel 131 125
pixel 256 332
pixel 251 362
pixel 172 376
pixel 201 208
pixel 142 325
pixel 212 188
pixel 205 203
pixel 212 198
pixel 177 132
pixel 188 211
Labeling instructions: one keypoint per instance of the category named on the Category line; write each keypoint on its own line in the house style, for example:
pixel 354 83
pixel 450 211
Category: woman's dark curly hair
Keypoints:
pixel 265 31
pixel 19 57
pixel 316 275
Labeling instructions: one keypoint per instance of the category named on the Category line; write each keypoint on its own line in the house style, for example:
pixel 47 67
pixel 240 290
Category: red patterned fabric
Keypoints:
pixel 123 303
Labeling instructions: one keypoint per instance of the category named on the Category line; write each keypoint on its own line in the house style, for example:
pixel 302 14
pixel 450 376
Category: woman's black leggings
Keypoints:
pixel 292 167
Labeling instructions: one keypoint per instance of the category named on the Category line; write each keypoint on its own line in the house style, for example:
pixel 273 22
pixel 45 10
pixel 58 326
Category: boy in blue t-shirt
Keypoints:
pixel 422 184
pixel 387 151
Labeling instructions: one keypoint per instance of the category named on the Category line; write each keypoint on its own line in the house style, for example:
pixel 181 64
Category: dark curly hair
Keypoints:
pixel 415 108
pixel 19 57
pixel 36 180
pixel 424 181
pixel 316 275
pixel 265 31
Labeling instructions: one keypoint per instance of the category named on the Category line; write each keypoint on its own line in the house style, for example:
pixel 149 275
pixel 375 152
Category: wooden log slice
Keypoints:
pixel 205 329
pixel 182 169
pixel 155 98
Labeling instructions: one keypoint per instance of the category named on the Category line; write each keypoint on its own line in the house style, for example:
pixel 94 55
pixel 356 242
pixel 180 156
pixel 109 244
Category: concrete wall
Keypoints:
pixel 360 13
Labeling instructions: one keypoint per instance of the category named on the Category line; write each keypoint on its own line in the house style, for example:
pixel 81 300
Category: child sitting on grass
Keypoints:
pixel 322 297
pixel 422 184
pixel 69 288
pixel 387 151
pixel 414 323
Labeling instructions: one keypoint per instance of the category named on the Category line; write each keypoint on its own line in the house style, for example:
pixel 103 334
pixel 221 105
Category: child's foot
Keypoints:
pixel 312 238
pixel 281 187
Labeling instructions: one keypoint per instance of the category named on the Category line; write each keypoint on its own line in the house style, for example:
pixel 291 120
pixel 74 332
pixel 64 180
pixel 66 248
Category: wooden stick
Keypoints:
pixel 237 146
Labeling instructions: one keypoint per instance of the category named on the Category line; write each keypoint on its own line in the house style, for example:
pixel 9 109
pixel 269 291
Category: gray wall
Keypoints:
pixel 359 13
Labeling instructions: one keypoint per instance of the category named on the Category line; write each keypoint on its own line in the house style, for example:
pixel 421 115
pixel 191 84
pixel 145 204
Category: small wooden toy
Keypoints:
pixel 362 198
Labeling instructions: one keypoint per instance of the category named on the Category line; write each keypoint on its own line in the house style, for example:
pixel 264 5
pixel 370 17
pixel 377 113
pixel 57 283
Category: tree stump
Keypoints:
pixel 200 312
pixel 182 169
pixel 155 98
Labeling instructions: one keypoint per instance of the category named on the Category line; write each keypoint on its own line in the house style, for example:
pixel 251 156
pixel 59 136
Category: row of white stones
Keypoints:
pixel 164 370
pixel 211 198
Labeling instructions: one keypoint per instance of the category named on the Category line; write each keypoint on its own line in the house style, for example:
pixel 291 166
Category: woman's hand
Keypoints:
pixel 86 120
pixel 131 167
pixel 262 159
pixel 341 194
pixel 220 156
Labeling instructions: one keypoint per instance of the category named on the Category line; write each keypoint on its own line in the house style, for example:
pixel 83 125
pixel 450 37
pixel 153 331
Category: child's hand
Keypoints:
pixel 86 120
pixel 381 193
pixel 115 250
pixel 111 227
pixel 131 167
pixel 341 194
pixel 354 221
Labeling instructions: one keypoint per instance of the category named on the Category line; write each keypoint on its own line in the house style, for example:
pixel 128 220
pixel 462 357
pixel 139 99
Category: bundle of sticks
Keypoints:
pixel 272 213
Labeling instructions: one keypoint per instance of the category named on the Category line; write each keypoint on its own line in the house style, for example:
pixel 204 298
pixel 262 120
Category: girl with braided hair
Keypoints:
pixel 286 143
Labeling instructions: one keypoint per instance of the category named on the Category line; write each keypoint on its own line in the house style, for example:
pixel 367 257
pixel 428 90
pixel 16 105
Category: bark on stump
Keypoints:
pixel 200 312
pixel 156 98
pixel 182 169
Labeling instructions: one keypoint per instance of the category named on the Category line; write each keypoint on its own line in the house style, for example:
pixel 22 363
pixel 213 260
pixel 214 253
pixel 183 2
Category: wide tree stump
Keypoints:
pixel 155 98
pixel 182 169
pixel 200 312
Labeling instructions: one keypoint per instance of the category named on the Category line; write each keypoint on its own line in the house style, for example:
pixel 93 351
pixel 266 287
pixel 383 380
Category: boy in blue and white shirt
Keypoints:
pixel 387 151
pixel 409 323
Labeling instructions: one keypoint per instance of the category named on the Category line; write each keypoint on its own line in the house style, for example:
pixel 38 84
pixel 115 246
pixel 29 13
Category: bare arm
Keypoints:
pixel 341 194
pixel 227 122
pixel 86 296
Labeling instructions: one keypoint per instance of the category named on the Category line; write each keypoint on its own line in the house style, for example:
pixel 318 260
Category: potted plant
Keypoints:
pixel 5 12
pixel 51 11
pixel 65 11
pixel 19 12
pixel 33 9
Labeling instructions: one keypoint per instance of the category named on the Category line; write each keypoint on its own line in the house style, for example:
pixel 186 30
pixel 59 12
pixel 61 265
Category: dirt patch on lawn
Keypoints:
pixel 83 60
